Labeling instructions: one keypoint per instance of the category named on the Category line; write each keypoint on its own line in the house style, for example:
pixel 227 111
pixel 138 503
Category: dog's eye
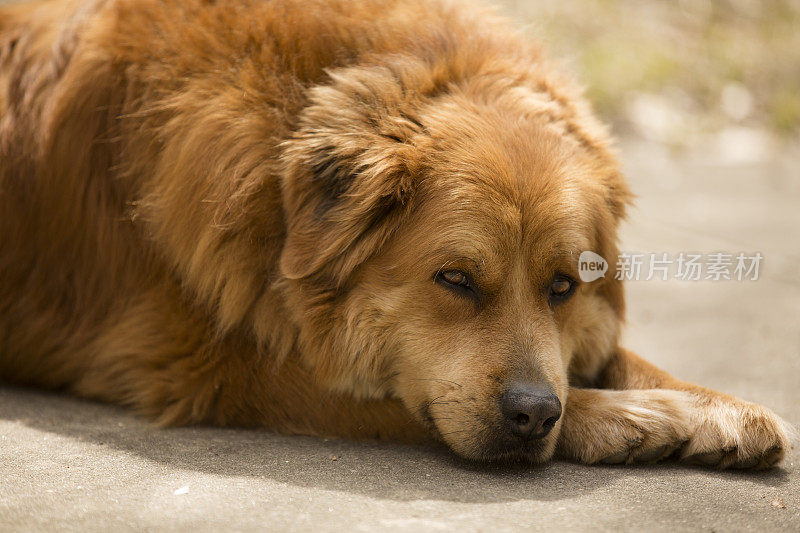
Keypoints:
pixel 458 281
pixel 561 288
pixel 455 277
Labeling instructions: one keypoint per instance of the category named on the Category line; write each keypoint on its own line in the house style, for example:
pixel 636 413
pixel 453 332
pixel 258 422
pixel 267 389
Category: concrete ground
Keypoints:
pixel 66 464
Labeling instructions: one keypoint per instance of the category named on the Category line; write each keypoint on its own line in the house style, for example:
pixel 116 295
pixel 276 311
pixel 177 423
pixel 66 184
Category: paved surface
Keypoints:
pixel 72 465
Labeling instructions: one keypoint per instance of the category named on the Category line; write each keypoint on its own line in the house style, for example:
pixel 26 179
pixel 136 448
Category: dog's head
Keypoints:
pixel 434 229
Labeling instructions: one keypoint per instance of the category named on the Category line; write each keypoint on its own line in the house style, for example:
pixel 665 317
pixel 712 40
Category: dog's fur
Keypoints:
pixel 234 212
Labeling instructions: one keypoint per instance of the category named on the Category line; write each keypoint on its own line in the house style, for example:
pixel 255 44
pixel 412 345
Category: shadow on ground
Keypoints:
pixel 378 470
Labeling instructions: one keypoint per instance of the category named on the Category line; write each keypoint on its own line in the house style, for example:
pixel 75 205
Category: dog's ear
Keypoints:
pixel 617 198
pixel 348 173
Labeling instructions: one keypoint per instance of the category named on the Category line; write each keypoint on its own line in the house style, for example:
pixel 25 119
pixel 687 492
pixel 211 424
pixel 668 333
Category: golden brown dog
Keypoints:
pixel 332 217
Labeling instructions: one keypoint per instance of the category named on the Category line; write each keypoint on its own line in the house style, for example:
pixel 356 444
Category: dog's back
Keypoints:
pixel 45 303
pixel 128 130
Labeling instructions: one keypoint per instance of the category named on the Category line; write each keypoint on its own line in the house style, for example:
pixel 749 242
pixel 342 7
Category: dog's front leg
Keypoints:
pixel 611 426
pixel 719 429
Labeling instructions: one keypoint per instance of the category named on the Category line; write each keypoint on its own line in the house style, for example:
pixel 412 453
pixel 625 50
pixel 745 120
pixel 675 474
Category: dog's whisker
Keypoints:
pixel 452 432
pixel 426 404
pixel 387 380
pixel 438 379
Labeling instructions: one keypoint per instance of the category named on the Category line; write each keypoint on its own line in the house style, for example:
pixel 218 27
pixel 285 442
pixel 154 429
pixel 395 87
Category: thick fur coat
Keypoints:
pixel 348 218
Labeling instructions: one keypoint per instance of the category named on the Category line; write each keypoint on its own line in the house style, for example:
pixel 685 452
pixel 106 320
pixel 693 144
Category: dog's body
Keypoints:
pixel 358 219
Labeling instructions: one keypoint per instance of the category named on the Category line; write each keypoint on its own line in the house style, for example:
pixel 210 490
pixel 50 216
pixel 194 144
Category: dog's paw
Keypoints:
pixel 731 433
pixel 640 426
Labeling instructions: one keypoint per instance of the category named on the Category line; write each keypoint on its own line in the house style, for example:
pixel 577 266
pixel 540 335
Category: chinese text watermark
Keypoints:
pixel 684 266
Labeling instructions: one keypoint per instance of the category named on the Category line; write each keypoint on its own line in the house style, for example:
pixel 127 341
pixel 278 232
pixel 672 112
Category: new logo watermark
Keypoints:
pixel 685 266
pixel 591 266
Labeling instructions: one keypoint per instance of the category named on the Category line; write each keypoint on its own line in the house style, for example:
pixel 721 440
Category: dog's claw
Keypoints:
pixel 748 463
pixel 706 458
pixel 615 459
pixel 651 456
pixel 772 456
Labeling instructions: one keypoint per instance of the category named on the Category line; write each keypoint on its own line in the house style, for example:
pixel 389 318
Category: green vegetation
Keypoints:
pixel 721 63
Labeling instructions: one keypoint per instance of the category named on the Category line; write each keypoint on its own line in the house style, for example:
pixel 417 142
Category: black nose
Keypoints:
pixel 531 410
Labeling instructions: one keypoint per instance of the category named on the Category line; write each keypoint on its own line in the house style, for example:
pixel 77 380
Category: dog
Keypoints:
pixel 357 219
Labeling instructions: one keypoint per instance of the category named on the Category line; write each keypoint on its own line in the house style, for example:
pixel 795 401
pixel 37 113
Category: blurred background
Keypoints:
pixel 681 72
